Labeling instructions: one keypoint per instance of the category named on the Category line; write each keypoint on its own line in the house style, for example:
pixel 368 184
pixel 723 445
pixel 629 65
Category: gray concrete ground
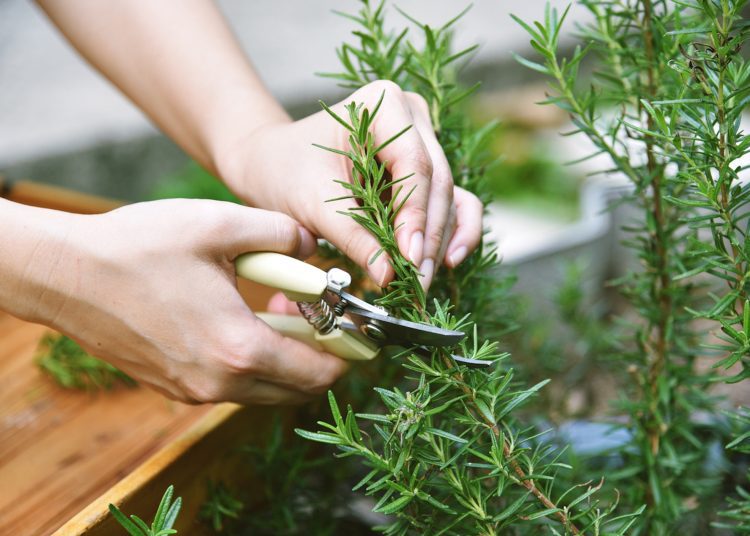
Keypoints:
pixel 52 102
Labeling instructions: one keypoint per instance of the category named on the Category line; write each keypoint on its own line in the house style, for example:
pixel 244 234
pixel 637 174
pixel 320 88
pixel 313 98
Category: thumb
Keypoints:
pixel 247 229
pixel 356 242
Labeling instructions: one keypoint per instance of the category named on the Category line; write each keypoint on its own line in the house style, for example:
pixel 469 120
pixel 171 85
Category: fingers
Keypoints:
pixel 308 244
pixel 267 394
pixel 406 156
pixel 468 231
pixel 440 204
pixel 239 390
pixel 285 362
pixel 280 304
pixel 422 225
pixel 251 363
pixel 240 229
pixel 432 226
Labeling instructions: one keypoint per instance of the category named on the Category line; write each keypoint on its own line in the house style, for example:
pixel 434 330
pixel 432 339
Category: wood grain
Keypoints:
pixel 61 449
pixel 209 451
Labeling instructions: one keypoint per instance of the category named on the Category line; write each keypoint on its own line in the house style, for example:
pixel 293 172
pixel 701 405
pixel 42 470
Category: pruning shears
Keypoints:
pixel 334 320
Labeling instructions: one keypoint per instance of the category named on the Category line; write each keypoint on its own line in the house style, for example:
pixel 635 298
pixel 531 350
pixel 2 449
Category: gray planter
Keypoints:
pixel 539 254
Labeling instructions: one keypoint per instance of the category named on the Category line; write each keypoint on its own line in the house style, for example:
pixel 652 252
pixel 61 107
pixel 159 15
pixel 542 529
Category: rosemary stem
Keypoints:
pixel 523 478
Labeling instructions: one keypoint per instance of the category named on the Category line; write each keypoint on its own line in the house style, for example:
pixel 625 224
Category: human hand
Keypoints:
pixel 276 167
pixel 151 288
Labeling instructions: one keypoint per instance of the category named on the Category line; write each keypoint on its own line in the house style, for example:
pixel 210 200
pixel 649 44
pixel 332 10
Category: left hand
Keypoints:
pixel 276 167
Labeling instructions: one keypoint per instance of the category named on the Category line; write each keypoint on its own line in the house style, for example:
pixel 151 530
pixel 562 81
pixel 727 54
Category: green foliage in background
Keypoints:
pixel 220 506
pixel 575 343
pixel 192 182
pixel 71 367
pixel 531 178
pixel 302 493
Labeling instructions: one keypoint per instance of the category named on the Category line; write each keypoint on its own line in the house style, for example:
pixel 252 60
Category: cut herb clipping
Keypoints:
pixel 63 360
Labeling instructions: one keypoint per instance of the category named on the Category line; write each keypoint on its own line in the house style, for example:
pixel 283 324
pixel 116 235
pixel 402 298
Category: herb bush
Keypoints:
pixel 671 87
pixel 447 449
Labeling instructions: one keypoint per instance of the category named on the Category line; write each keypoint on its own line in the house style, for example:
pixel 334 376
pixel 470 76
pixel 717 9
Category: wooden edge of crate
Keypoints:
pixel 95 513
pixel 55 197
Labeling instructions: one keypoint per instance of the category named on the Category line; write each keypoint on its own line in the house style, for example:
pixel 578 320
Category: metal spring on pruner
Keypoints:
pixel 319 315
pixel 340 307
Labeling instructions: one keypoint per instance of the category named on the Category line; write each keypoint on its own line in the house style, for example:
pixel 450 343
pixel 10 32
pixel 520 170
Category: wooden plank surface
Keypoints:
pixel 210 450
pixel 61 449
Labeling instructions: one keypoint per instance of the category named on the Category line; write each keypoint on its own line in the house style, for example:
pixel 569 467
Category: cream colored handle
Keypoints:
pixel 298 280
pixel 292 326
pixel 340 343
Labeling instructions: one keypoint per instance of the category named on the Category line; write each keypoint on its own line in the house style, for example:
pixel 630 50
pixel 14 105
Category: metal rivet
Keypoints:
pixel 372 332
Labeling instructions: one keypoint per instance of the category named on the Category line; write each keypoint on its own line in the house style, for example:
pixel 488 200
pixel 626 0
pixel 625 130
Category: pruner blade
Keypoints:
pixel 387 330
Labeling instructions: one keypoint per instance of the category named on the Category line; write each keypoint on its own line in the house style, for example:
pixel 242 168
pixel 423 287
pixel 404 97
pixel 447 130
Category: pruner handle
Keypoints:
pixel 299 281
pixel 338 342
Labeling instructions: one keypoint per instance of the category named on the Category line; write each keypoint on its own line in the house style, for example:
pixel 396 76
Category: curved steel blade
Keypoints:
pixel 397 331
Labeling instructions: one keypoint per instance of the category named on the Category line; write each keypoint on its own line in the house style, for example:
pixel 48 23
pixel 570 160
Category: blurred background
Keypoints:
pixel 61 122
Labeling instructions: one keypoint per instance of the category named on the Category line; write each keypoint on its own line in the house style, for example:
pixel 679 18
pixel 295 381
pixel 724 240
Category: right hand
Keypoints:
pixel 438 222
pixel 151 288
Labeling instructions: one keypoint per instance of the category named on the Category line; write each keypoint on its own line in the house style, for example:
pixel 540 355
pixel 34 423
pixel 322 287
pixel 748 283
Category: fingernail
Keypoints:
pixel 380 270
pixel 457 256
pixel 416 247
pixel 426 271
pixel 307 243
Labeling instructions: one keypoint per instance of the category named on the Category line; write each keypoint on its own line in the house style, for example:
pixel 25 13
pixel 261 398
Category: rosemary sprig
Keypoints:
pixel 166 515
pixel 377 210
pixel 63 360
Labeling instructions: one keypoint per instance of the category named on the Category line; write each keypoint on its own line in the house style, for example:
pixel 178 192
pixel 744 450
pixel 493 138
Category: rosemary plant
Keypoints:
pixel 671 86
pixel 220 506
pixel 164 519
pixel 447 454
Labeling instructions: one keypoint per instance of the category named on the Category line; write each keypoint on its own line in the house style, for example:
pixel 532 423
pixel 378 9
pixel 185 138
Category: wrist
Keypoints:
pixel 240 114
pixel 34 261
pixel 237 161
